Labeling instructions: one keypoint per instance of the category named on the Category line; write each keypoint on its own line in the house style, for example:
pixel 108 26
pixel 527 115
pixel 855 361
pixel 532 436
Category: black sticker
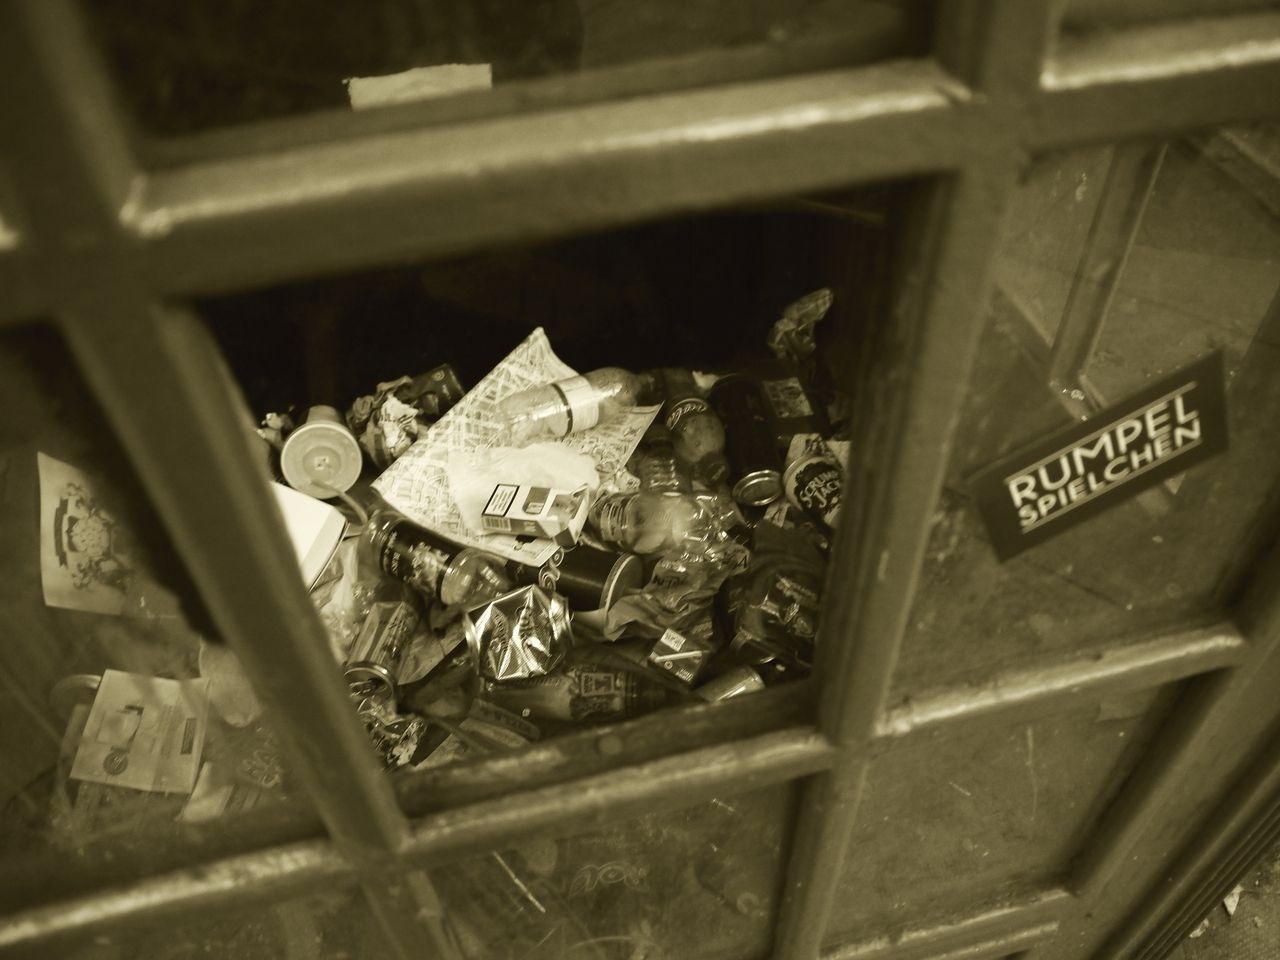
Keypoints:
pixel 1083 469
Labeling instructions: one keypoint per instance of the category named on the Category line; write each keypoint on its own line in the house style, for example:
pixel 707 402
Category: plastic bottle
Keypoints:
pixel 649 522
pixel 657 467
pixel 698 431
pixel 431 564
pixel 567 406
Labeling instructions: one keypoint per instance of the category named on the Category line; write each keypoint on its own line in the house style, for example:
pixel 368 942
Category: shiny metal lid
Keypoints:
pixel 758 488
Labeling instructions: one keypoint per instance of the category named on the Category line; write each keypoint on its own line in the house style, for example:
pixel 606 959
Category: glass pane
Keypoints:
pixel 1036 266
pixel 984 816
pixel 699 882
pixel 199 65
pixel 328 926
pixel 645 559
pixel 130 738
pixel 1121 268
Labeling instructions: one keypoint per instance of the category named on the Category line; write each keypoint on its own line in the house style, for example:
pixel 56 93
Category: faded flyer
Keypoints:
pixel 218 793
pixel 84 561
pixel 417 484
pixel 146 733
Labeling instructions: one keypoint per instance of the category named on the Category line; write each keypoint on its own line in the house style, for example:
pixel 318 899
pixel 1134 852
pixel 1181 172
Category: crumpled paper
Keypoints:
pixel 387 423
pixel 792 338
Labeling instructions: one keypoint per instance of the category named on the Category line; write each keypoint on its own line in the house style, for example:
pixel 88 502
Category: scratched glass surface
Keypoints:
pixel 988 815
pixel 200 65
pixel 702 882
pixel 334 925
pixel 701 293
pixel 129 738
pixel 1119 267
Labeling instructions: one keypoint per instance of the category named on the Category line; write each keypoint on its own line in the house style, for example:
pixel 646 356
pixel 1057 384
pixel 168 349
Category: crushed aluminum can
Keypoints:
pixel 521 634
pixel 380 648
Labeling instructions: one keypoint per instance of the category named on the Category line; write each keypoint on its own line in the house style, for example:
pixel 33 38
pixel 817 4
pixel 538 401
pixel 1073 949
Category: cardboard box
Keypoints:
pixel 518 509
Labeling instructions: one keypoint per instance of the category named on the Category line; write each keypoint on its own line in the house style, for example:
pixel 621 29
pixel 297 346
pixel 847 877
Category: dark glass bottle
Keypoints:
pixel 432 565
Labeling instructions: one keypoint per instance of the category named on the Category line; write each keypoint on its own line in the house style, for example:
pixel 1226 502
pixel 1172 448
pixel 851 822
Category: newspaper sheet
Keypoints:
pixel 417 484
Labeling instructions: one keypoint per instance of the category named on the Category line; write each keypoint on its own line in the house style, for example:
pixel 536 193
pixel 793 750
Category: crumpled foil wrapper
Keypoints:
pixel 399 411
pixel 792 337
pixel 521 634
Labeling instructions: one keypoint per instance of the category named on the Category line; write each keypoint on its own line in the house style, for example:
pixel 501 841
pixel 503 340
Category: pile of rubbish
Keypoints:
pixel 550 549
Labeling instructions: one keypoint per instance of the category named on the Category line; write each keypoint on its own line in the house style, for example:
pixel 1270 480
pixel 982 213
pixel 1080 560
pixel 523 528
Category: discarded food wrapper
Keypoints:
pixel 775 611
pixel 558 515
pixel 792 337
pixel 399 411
pixel 521 634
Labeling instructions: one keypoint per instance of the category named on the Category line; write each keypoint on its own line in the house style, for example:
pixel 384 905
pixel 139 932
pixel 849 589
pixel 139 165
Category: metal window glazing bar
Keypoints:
pixel 1158 79
pixel 157 376
pixel 1227 80
pixel 475 821
pixel 373 196
pixel 1009 927
pixel 1176 783
pixel 1251 808
pixel 1015 695
pixel 584 804
pixel 1131 176
pixel 227 222
pixel 941 311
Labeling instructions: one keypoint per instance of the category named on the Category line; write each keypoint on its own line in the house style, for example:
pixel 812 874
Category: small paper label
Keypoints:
pixel 685 408
pixel 583 402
